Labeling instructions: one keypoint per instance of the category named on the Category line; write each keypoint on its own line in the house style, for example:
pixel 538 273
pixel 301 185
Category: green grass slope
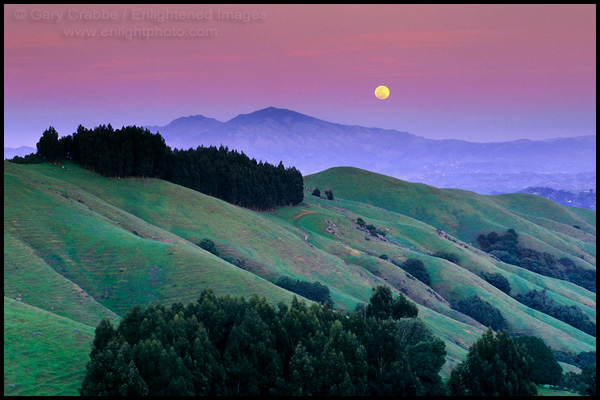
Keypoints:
pixel 449 281
pixel 411 215
pixel 463 214
pixel 165 213
pixel 116 258
pixel 80 247
pixel 44 354
pixel 29 280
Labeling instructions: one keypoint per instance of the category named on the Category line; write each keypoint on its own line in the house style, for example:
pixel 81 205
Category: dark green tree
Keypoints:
pixel 313 291
pixel 209 246
pixel 316 192
pixel 495 366
pixel 572 315
pixel 416 268
pixel 497 280
pixel 483 312
pixel 426 359
pixel 48 147
pixel 389 366
pixel 382 305
pixel 447 256
pixel 251 362
pixel 228 345
pixel 545 368
pixel 588 380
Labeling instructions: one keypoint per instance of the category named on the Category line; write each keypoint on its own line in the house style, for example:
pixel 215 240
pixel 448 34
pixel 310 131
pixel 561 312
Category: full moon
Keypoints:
pixel 382 92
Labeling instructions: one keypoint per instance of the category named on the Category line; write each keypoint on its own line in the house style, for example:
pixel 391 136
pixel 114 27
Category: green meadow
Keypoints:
pixel 79 247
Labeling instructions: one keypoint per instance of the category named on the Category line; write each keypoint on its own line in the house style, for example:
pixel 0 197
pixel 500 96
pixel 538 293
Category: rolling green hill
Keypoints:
pixel 79 247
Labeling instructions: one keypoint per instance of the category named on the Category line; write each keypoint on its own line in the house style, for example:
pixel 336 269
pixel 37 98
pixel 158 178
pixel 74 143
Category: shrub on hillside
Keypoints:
pixel 572 314
pixel 482 312
pixel 506 257
pixel 586 358
pixel 416 268
pixel 313 291
pixel 497 280
pixel 507 249
pixel 374 231
pixel 209 246
pixel 447 256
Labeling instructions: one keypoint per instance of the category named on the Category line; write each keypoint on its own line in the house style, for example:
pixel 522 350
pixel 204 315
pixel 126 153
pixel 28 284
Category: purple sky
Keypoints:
pixel 474 72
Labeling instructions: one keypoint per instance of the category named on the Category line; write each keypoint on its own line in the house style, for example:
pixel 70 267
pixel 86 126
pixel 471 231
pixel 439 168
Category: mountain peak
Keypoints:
pixel 270 113
pixel 191 119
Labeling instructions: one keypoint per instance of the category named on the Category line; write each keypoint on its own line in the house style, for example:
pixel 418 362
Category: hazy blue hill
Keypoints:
pixel 181 132
pixel 312 145
pixel 22 151
pixel 585 199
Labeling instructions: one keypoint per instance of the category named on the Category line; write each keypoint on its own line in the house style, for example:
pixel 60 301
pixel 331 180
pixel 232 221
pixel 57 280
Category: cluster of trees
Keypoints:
pixel 328 193
pixel 497 280
pixel 135 151
pixel 235 178
pixel 585 358
pixel 28 159
pixel 506 248
pixel 232 346
pixel 129 151
pixel 447 256
pixel 583 383
pixel 373 230
pixel 571 315
pixel 313 291
pixel 50 147
pixel 209 246
pixel 545 369
pixel 482 312
pixel 495 366
pixel 416 268
pixel 580 360
pixel 498 365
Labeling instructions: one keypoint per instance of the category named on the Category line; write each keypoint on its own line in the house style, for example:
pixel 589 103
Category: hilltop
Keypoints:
pixel 79 247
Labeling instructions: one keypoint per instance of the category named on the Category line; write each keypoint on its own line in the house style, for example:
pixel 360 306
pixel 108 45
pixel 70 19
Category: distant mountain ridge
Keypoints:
pixel 585 199
pixel 312 145
pixel 22 151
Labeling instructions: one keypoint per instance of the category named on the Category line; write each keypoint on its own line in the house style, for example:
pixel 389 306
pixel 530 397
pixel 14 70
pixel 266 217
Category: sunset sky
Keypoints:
pixel 479 73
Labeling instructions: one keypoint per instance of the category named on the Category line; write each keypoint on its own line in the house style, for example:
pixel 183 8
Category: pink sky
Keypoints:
pixel 479 73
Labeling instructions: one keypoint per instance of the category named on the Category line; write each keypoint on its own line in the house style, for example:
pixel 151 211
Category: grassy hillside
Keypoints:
pixel 119 259
pixel 462 214
pixel 44 354
pixel 81 247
